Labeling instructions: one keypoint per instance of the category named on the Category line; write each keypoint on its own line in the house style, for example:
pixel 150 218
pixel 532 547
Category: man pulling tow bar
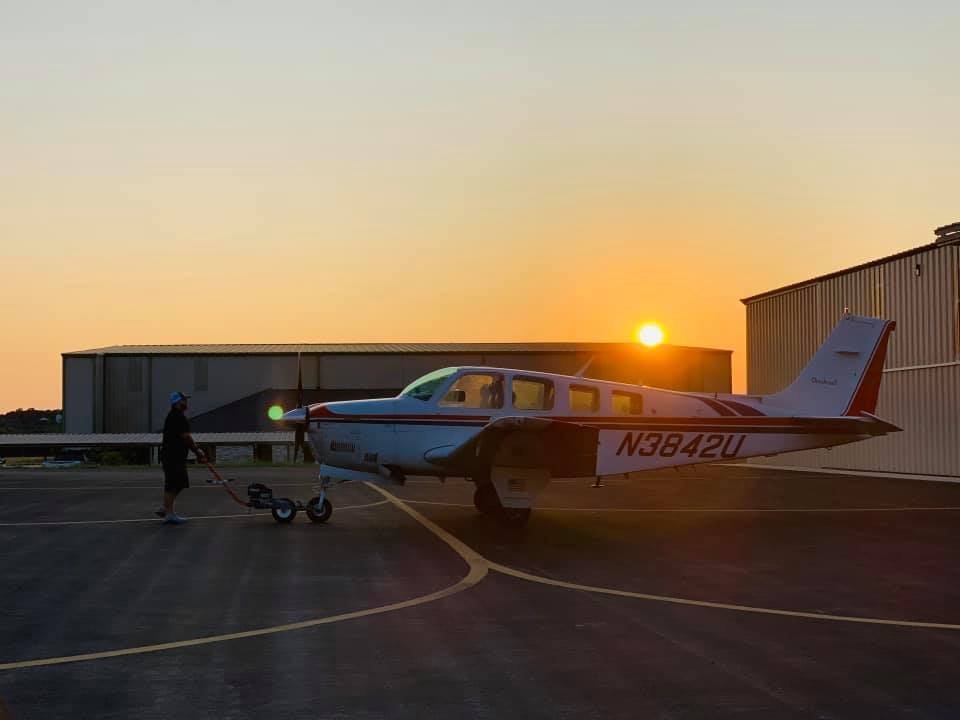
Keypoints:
pixel 177 440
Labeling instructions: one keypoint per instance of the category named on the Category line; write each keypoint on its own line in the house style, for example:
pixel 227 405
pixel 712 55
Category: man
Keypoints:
pixel 177 440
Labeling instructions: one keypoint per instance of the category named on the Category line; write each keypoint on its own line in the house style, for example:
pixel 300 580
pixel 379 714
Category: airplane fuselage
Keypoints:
pixel 664 429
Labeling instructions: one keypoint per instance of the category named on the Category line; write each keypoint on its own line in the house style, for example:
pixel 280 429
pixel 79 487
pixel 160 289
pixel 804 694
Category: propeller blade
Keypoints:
pixel 297 441
pixel 299 382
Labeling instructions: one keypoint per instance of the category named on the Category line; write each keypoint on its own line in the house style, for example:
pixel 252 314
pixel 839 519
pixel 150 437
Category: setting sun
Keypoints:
pixel 650 334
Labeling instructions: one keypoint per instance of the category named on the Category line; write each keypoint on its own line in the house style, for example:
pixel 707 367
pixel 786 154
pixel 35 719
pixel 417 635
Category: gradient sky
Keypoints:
pixel 286 172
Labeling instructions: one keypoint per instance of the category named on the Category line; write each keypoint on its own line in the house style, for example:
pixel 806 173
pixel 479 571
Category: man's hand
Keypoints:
pixel 201 457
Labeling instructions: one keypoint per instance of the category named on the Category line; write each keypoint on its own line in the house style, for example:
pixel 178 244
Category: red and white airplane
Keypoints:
pixel 511 431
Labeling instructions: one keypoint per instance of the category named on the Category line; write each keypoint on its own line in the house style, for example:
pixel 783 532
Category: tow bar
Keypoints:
pixel 284 510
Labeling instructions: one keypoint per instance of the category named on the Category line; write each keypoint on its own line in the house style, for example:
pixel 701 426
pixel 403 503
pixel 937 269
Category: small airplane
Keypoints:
pixel 511 431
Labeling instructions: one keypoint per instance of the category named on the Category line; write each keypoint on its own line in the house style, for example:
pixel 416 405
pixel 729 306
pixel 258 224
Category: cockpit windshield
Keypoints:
pixel 423 388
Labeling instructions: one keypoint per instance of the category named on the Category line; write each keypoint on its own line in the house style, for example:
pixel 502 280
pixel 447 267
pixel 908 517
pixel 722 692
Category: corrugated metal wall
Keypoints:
pixel 78 394
pixel 135 388
pixel 126 391
pixel 921 385
pixel 924 306
pixel 794 317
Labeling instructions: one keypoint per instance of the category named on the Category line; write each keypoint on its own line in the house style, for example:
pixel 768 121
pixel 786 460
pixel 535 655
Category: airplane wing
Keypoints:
pixel 561 448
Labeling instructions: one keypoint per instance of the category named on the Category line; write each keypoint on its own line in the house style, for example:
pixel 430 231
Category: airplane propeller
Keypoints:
pixel 299 431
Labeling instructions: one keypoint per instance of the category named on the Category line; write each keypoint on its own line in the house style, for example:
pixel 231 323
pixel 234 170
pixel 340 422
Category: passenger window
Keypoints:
pixel 475 390
pixel 625 403
pixel 584 399
pixel 532 394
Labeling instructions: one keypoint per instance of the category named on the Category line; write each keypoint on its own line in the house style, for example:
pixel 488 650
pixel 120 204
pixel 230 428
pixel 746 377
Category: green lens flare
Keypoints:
pixel 275 412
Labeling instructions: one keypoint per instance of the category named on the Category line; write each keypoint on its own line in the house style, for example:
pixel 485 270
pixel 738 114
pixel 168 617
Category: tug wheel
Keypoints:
pixel 319 513
pixel 284 510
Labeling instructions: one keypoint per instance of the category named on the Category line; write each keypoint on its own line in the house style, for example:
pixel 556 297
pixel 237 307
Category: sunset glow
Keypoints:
pixel 476 174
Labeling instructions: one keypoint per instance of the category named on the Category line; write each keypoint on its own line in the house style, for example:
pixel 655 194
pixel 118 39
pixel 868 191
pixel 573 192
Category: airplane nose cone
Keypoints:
pixel 297 416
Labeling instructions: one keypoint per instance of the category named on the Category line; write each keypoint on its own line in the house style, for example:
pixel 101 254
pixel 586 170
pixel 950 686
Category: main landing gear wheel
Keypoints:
pixel 487 502
pixel 319 513
pixel 485 499
pixel 284 510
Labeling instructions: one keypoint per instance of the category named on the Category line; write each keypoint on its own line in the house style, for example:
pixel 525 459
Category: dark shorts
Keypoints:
pixel 175 478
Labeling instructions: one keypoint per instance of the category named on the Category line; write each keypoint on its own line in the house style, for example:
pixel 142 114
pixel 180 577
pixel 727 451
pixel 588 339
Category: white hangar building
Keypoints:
pixel 920 392
pixel 124 389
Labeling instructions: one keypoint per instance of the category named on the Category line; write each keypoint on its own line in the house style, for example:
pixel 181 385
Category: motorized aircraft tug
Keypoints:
pixel 511 431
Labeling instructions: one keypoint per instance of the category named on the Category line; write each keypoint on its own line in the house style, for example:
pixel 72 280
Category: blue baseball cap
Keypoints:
pixel 177 397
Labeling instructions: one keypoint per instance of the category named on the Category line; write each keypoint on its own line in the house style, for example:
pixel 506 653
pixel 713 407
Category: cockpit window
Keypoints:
pixel 475 391
pixel 423 388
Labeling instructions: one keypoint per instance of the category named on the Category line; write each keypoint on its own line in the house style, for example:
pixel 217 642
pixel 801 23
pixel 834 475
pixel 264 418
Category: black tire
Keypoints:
pixel 486 500
pixel 515 518
pixel 284 510
pixel 319 514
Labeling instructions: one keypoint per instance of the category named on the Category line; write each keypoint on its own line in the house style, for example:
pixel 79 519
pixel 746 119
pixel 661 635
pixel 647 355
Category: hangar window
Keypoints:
pixel 625 403
pixel 475 390
pixel 532 394
pixel 200 374
pixel 584 399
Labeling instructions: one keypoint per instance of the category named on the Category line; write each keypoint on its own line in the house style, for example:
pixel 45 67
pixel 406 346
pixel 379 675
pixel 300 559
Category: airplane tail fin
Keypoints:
pixel 843 377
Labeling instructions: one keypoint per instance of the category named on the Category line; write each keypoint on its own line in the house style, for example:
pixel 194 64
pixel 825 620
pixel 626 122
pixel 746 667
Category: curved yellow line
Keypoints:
pixel 478 569
pixel 513 572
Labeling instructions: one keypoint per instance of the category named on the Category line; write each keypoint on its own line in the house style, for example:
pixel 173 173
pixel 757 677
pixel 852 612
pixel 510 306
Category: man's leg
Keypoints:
pixel 169 485
pixel 175 480
pixel 168 497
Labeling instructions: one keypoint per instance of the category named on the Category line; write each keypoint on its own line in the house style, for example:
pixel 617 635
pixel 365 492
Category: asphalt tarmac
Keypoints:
pixel 716 592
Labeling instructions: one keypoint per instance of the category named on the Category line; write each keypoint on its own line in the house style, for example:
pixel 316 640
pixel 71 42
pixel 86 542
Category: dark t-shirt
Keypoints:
pixel 174 449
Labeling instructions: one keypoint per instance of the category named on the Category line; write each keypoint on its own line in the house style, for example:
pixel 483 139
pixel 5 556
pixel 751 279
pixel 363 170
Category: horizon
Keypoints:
pixel 388 174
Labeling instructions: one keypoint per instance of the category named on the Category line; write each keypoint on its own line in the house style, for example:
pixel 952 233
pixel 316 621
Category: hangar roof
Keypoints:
pixel 946 235
pixel 138 439
pixel 366 348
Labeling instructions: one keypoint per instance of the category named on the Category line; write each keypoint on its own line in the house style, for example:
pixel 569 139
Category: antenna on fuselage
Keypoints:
pixel 585 367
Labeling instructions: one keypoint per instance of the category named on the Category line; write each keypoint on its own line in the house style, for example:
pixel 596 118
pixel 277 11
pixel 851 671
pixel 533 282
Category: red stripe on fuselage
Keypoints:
pixel 743 409
pixel 765 424
pixel 715 405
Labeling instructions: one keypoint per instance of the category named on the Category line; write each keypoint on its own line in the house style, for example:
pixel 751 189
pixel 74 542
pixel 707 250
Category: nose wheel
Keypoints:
pixel 319 511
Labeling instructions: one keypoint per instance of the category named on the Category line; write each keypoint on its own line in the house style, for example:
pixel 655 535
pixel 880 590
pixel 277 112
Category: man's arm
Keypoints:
pixel 192 445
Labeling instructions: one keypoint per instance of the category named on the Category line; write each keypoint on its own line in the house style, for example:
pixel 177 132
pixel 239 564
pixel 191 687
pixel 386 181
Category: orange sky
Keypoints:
pixel 320 174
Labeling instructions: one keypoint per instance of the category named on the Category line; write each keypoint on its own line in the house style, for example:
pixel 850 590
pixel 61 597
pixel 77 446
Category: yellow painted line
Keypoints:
pixel 465 551
pixel 478 569
pixel 708 510
pixel 158 520
pixel 513 572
